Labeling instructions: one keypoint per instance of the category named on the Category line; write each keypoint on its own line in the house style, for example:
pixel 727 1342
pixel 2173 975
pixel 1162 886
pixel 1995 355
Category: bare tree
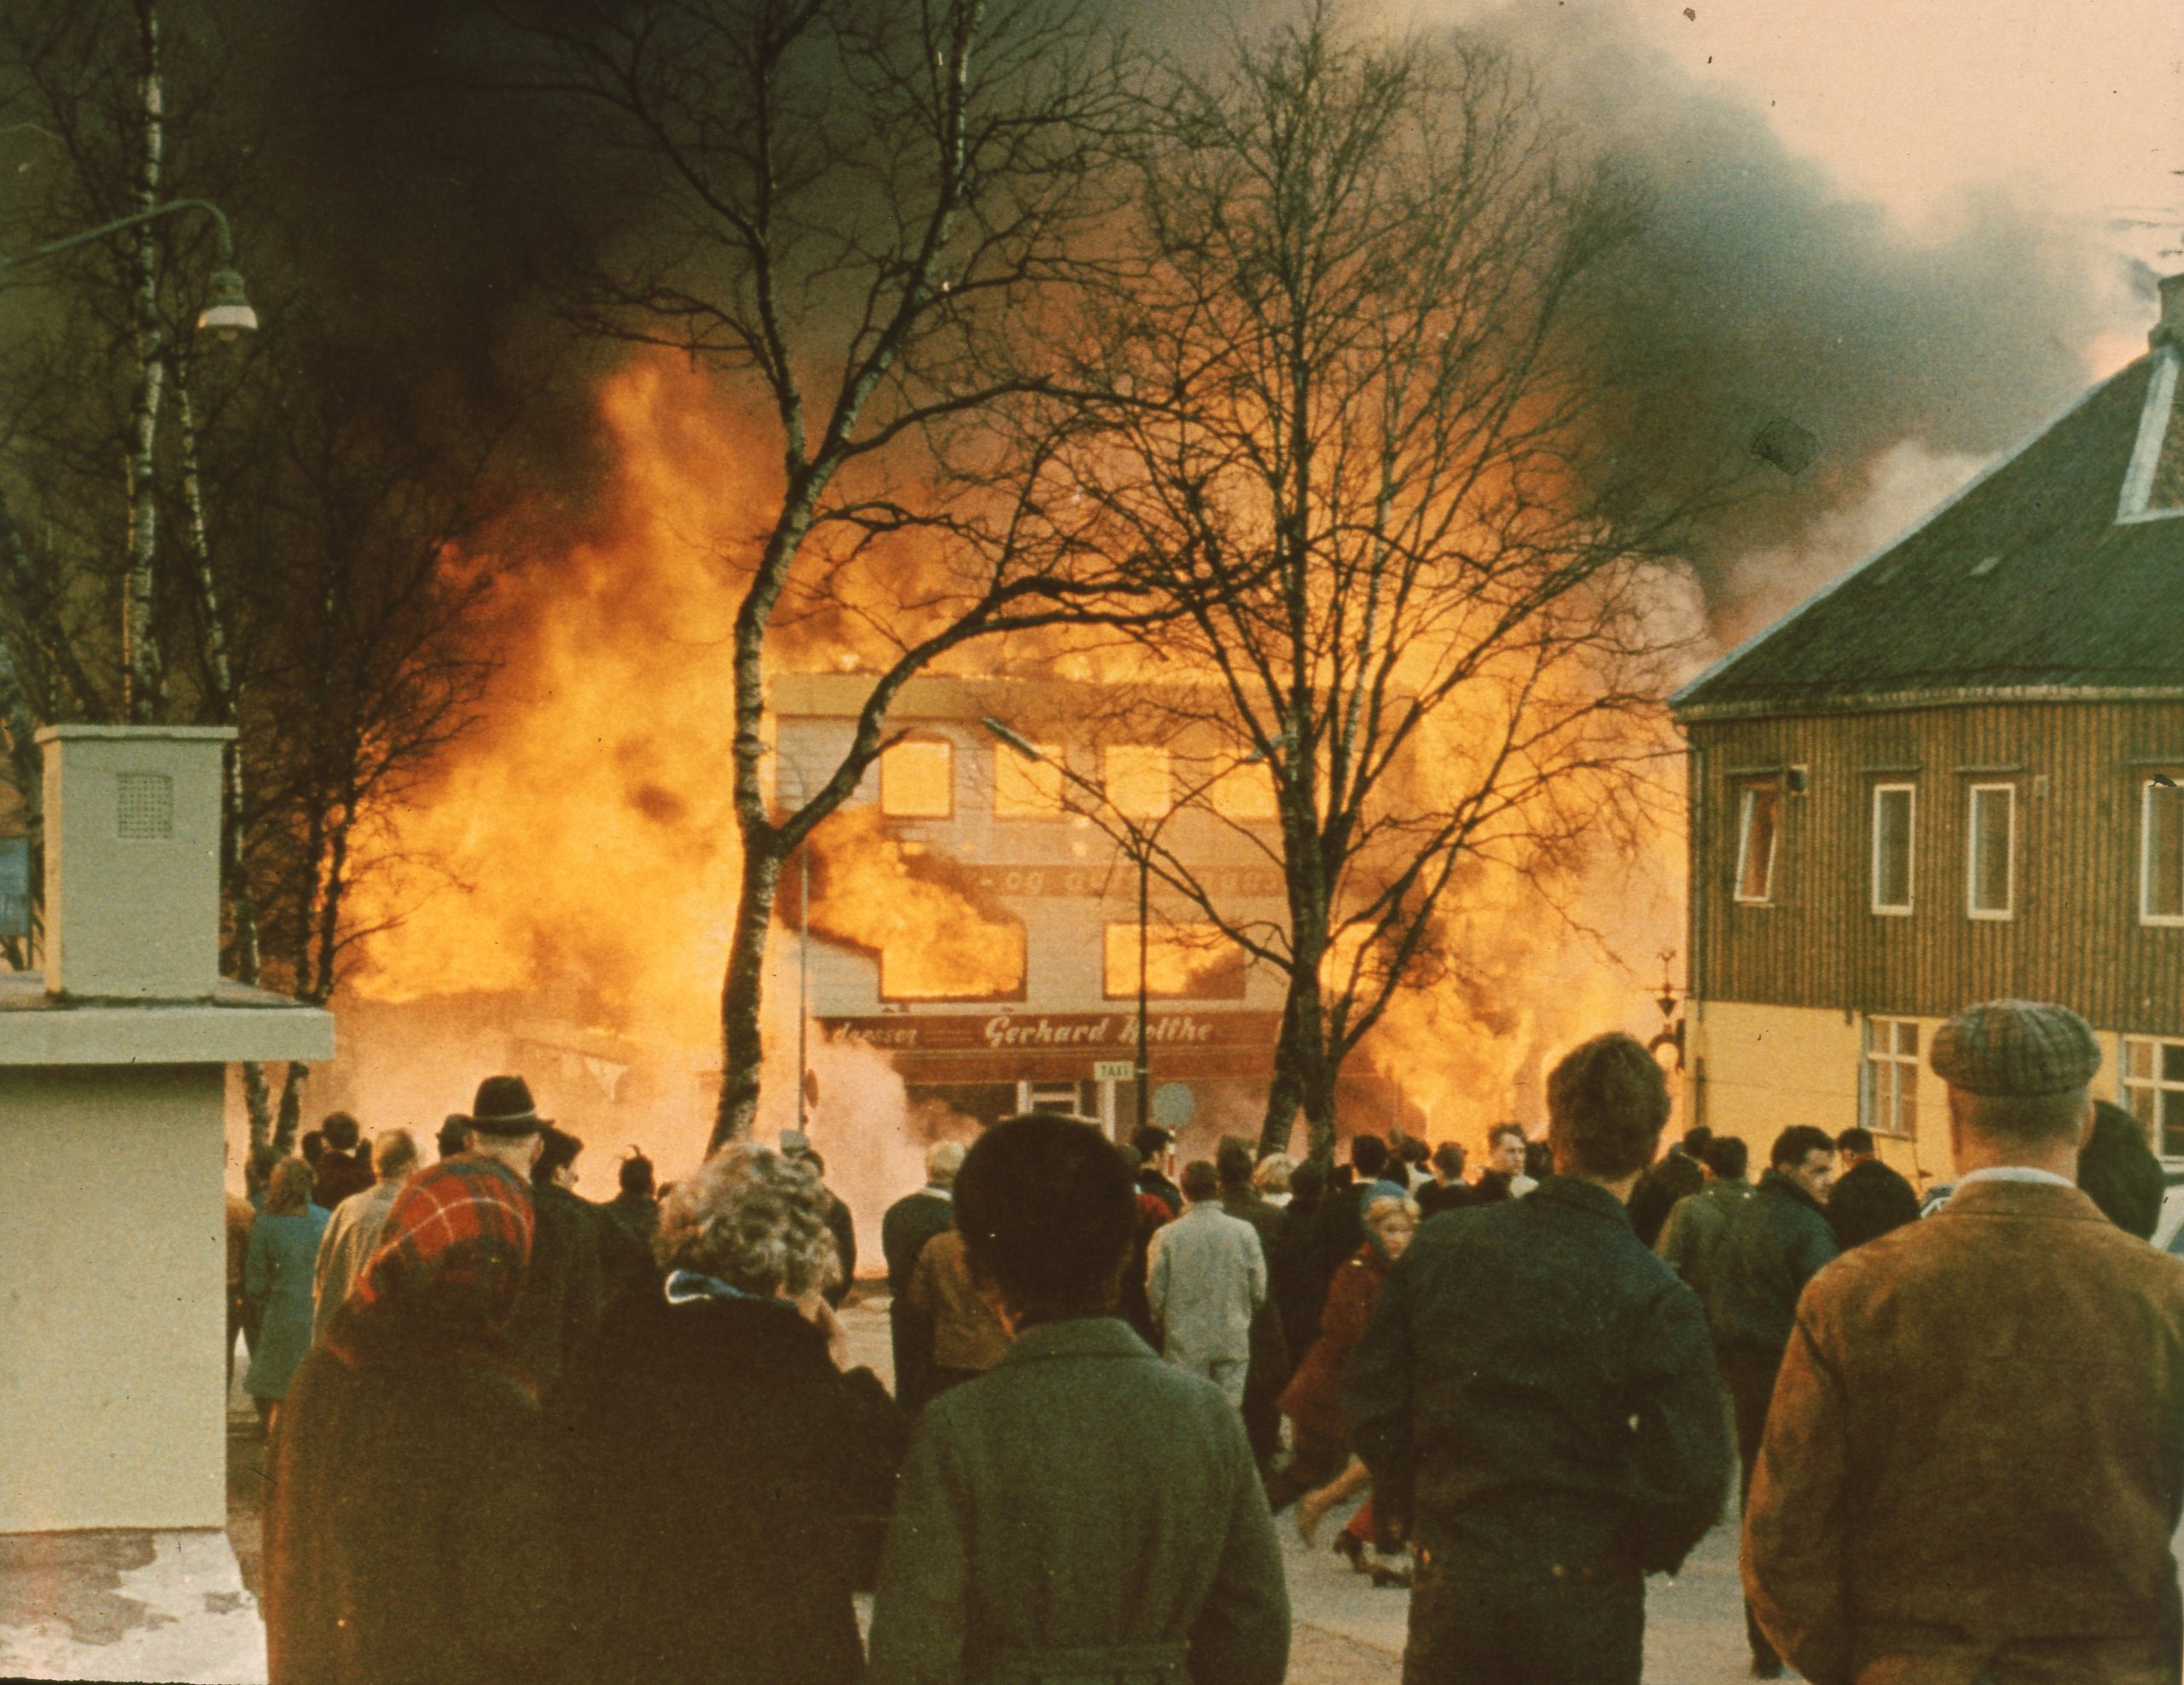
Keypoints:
pixel 288 570
pixel 869 209
pixel 1359 393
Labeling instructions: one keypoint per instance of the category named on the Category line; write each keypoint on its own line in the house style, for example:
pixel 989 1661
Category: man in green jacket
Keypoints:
pixel 1083 1511
pixel 1698 1221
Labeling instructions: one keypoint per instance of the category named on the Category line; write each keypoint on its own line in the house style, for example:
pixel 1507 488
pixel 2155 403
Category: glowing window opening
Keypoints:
pixel 1024 788
pixel 1137 779
pixel 1182 963
pixel 917 779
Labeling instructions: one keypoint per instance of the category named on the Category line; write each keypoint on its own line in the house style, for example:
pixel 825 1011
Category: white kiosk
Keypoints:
pixel 115 1561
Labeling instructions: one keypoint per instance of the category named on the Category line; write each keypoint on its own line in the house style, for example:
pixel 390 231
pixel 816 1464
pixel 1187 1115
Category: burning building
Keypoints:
pixel 1951 777
pixel 975 915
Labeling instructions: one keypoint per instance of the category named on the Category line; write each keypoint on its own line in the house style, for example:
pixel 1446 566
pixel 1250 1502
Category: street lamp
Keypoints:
pixel 228 314
pixel 1141 849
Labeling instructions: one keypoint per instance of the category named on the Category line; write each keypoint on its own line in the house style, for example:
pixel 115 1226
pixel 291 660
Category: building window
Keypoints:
pixel 1024 788
pixel 1137 781
pixel 1893 809
pixel 2154 1089
pixel 1182 963
pixel 1990 852
pixel 1759 829
pixel 2160 854
pixel 1888 1099
pixel 1244 795
pixel 917 779
pixel 976 960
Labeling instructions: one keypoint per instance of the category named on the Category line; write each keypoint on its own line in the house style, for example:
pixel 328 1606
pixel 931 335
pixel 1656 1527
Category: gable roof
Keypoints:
pixel 2058 572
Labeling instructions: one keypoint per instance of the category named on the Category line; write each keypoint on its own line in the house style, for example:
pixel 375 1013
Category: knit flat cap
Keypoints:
pixel 2016 1048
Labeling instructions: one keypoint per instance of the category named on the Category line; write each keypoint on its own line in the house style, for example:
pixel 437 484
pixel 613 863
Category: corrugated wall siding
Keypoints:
pixel 2076 937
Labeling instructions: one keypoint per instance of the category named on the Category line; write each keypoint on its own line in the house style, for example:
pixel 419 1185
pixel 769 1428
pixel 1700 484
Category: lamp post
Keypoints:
pixel 228 314
pixel 1140 848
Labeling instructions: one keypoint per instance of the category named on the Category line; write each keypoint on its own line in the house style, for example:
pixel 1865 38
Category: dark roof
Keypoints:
pixel 2060 572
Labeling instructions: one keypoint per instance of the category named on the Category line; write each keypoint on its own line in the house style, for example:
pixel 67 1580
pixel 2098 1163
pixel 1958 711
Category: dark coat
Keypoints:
pixel 409 1535
pixel 626 1269
pixel 1536 1388
pixel 909 1224
pixel 1340 1226
pixel 563 1290
pixel 338 1174
pixel 727 1491
pixel 1435 1197
pixel 1676 1175
pixel 1271 1356
pixel 1867 1201
pixel 1150 1180
pixel 1775 1243
pixel 639 1213
pixel 1082 1496
pixel 1298 1287
pixel 843 1228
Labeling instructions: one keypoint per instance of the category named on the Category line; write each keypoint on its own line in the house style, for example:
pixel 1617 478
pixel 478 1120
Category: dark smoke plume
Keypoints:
pixel 1766 311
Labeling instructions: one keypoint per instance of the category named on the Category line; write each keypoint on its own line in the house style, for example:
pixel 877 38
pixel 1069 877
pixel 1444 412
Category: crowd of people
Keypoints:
pixel 517 1434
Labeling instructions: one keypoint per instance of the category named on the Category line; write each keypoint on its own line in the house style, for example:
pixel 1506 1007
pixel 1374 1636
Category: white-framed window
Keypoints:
pixel 1895 814
pixel 2160 854
pixel 1888 1097
pixel 1759 831
pixel 917 779
pixel 2154 1089
pixel 1990 852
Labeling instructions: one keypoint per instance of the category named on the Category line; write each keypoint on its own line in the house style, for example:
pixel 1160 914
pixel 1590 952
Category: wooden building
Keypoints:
pixel 1952 777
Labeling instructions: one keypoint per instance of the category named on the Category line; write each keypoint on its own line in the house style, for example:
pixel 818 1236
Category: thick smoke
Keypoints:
pixel 1760 294
pixel 439 215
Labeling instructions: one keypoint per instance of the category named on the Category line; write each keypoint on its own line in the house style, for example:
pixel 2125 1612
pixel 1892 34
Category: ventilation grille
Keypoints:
pixel 144 808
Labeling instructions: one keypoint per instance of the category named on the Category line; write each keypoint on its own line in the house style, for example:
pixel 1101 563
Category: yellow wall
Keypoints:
pixel 113 1297
pixel 1767 1067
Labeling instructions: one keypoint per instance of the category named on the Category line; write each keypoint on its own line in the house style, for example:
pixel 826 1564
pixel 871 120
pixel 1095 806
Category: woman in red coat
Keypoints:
pixel 1319 1473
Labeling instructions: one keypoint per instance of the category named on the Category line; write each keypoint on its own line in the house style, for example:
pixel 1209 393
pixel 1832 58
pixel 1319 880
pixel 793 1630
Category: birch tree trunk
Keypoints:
pixel 141 674
pixel 242 899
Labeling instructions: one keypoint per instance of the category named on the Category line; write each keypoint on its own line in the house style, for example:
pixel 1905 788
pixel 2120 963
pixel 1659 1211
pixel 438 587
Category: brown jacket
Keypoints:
pixel 1976 1452
pixel 965 1332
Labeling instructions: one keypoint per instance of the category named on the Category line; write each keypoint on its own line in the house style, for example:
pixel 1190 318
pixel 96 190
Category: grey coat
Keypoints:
pixel 1206 1278
pixel 1083 1514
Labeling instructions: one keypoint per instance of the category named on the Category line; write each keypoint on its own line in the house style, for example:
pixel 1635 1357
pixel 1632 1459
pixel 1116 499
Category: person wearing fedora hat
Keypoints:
pixel 565 1289
pixel 1971 1468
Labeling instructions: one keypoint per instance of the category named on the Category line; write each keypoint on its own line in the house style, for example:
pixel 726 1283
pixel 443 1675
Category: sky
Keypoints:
pixel 1910 103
